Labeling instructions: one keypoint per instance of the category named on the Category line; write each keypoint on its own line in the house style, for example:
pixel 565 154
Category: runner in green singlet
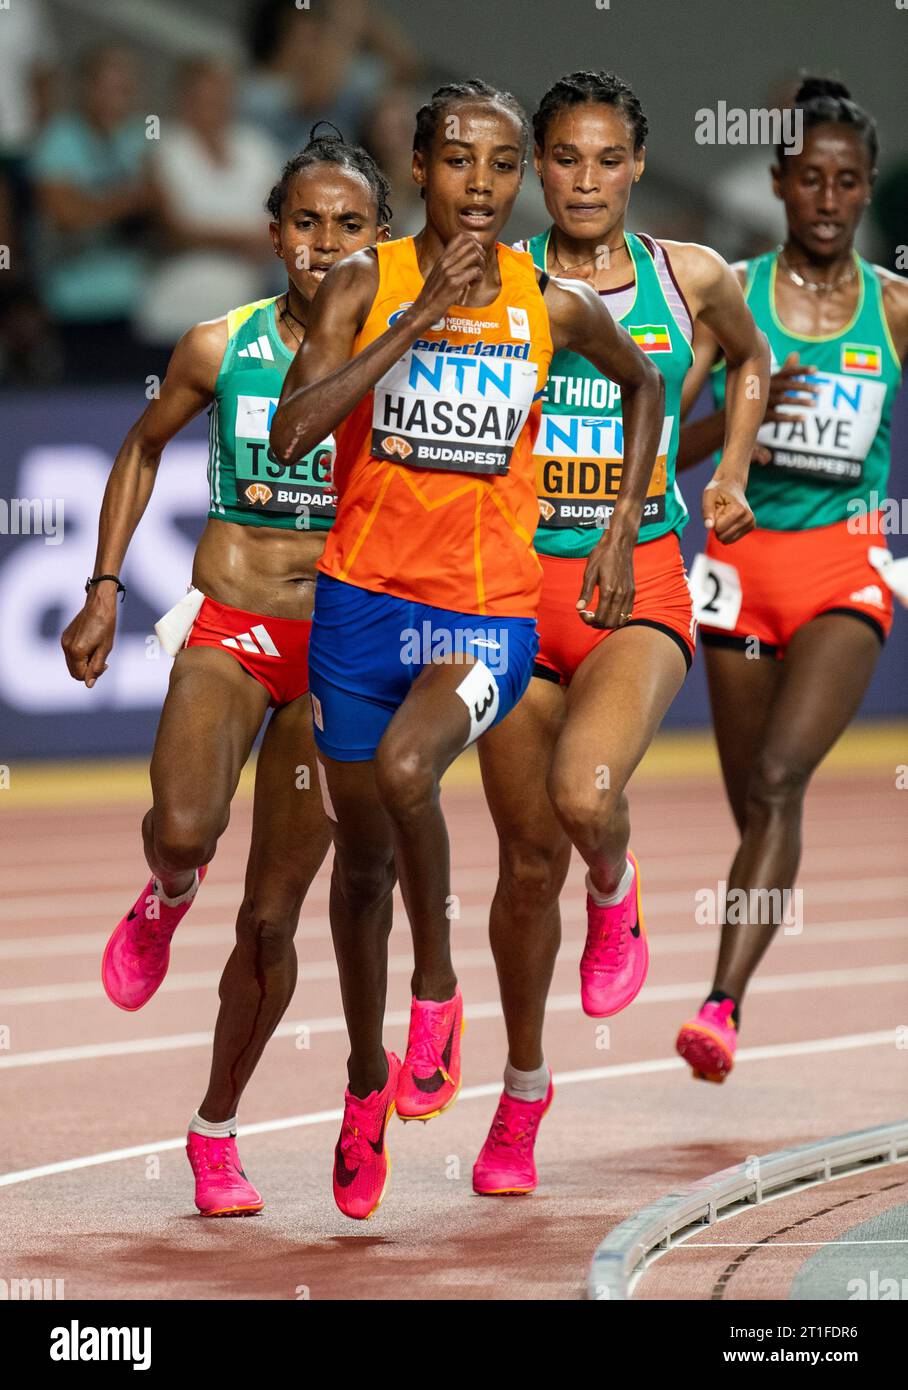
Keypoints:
pixel 555 771
pixel 246 624
pixel 793 621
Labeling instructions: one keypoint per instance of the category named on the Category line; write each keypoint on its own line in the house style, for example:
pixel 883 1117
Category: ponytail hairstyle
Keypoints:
pixel 826 101
pixel 428 117
pixel 332 149
pixel 588 89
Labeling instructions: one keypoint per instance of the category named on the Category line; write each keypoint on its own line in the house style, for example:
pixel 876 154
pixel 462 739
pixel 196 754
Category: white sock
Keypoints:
pixel 612 899
pixel 212 1129
pixel 182 898
pixel 527 1085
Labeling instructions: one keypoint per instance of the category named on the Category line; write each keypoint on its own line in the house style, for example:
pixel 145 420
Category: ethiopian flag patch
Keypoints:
pixel 858 357
pixel 651 337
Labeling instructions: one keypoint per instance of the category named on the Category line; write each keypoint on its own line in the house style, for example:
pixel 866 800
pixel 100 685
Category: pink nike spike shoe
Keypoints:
pixel 137 955
pixel 506 1165
pixel 221 1186
pixel 430 1075
pixel 361 1163
pixel 616 956
pixel 708 1042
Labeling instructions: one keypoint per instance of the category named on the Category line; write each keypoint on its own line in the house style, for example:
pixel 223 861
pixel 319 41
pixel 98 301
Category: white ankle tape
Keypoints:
pixel 622 890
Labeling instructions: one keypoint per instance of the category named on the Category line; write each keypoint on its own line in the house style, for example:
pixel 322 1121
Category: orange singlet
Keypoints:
pixel 434 468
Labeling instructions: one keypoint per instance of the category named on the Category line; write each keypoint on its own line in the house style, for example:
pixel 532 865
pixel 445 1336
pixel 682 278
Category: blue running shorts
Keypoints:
pixel 366 650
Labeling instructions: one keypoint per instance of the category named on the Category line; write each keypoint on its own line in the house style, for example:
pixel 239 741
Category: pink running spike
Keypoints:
pixel 709 1041
pixel 221 1186
pixel 506 1165
pixel 137 955
pixel 616 956
pixel 361 1162
pixel 430 1075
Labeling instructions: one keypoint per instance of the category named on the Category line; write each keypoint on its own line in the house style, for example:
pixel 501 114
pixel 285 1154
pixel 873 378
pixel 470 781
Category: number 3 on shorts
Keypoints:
pixel 716 592
pixel 479 692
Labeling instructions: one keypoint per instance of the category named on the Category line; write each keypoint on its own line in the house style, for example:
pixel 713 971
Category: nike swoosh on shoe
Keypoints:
pixel 427 1084
pixel 345 1176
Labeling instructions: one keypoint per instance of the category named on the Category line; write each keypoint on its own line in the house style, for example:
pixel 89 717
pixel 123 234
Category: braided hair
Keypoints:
pixel 587 89
pixel 826 101
pixel 429 116
pixel 332 149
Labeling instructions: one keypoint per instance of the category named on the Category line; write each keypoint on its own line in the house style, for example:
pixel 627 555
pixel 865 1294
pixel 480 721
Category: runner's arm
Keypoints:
pixel 324 383
pixel 704 436
pixel 581 323
pixel 723 310
pixel 895 305
pixel 187 389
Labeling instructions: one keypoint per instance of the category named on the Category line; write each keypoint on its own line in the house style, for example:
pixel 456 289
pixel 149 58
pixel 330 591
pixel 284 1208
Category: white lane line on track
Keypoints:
pixel 109 904
pixel 325 970
pixel 127 872
pixel 846 1043
pixel 663 943
pixel 797 1244
pixel 557 1003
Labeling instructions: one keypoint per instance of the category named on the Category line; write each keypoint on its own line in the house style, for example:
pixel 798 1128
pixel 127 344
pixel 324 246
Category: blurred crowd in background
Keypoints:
pixel 125 225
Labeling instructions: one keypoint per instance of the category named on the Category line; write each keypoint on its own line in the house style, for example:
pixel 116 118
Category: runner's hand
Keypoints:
pixel 610 569
pixel 788 379
pixel 726 511
pixel 786 387
pixel 88 640
pixel 461 264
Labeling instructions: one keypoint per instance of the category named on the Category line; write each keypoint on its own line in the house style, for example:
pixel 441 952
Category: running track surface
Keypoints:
pixel 79 1078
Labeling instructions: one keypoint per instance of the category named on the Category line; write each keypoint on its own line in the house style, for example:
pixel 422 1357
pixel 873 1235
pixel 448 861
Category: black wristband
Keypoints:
pixel 114 579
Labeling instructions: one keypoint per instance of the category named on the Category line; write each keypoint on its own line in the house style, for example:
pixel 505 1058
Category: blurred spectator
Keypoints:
pixel 329 63
pixel 28 57
pixel 211 176
pixel 92 194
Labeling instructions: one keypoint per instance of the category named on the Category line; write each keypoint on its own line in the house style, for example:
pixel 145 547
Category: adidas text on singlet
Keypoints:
pixel 247 484
pixel 839 453
pixel 434 468
pixel 580 445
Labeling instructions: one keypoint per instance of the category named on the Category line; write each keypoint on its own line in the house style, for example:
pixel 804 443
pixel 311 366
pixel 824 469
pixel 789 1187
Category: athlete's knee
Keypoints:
pixel 586 810
pixel 406 780
pixel 184 838
pixel 531 876
pixel 363 881
pixel 776 785
pixel 267 926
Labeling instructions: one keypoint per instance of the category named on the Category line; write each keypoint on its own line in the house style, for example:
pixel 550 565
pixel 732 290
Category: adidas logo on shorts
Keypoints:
pixel 261 348
pixel 871 594
pixel 258 641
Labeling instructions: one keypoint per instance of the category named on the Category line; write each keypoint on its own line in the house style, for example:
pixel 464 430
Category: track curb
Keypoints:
pixel 628 1250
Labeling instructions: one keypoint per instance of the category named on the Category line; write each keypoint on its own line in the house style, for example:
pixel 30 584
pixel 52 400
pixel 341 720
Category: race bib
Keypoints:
pixel 835 436
pixel 479 692
pixel 715 589
pixel 579 463
pixel 449 408
pixel 265 484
